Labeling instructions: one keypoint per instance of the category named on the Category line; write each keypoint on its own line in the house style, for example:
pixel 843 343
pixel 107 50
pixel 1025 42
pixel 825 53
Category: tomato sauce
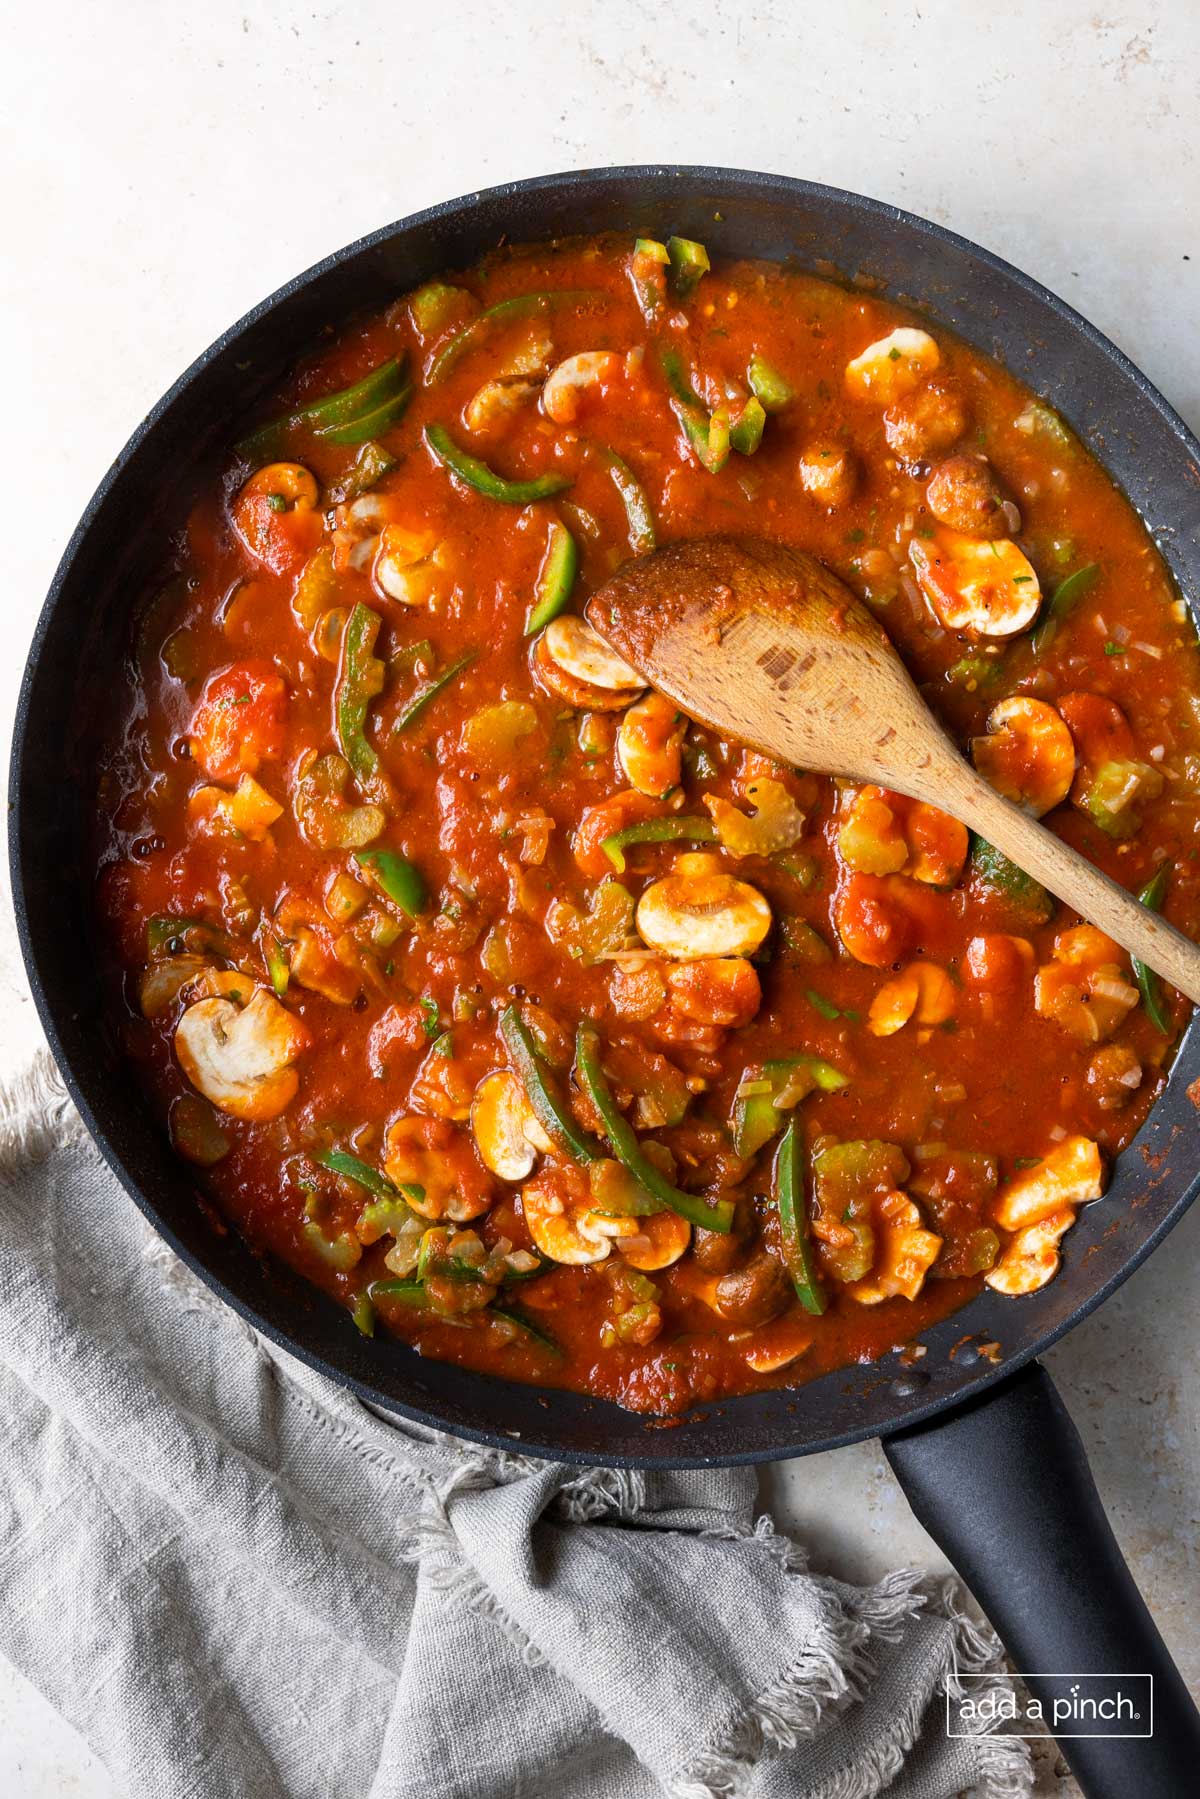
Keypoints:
pixel 322 898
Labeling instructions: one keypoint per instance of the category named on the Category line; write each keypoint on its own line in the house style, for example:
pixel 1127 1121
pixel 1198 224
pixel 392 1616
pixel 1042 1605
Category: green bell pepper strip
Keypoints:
pixel 689 264
pixel 745 434
pixel 369 424
pixel 793 1222
pixel 1065 598
pixel 371 464
pixel 408 1293
pixel 360 679
pixel 520 306
pixel 548 1109
pixel 478 475
pixel 396 877
pixel 656 830
pixel 708 436
pixel 629 1152
pixel 647 265
pixel 556 577
pixel 340 1161
pixel 364 1315
pixel 331 411
pixel 1001 876
pixel 642 535
pixel 434 1260
pixel 1149 985
pixel 767 384
pixel 413 708
pixel 535 1333
pixel 757 1117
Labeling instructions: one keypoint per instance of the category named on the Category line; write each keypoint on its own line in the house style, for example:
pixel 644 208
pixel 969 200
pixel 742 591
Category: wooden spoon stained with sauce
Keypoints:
pixel 765 645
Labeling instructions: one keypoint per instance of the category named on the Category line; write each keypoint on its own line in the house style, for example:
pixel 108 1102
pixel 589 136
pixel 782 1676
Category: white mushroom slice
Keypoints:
pixel 555 1229
pixel 655 1242
pixel 583 655
pixel 692 914
pixel 597 1226
pixel 1069 1174
pixel 497 401
pixel 893 366
pixel 649 745
pixel 163 982
pixel 406 565
pixel 507 1133
pixel 1031 1258
pixel 980 585
pixel 778 1344
pixel 240 1057
pixel 560 395
pixel 1028 754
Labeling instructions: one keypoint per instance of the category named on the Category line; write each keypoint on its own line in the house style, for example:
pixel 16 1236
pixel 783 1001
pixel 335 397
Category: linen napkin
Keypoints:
pixel 238 1582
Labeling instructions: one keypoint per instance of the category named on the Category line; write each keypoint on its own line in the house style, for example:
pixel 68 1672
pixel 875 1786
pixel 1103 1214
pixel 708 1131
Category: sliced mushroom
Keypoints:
pixel 275 515
pixel 590 368
pixel 554 1217
pixel 650 745
pixel 507 1133
pixel 408 565
pixel 892 366
pixel 698 911
pixel 922 992
pixel 1084 988
pixel 1069 1174
pixel 432 1163
pixel 989 588
pixel 1028 754
pixel 163 982
pixel 1031 1258
pixel 240 1056
pixel 574 661
pixel 496 401
pixel 655 1242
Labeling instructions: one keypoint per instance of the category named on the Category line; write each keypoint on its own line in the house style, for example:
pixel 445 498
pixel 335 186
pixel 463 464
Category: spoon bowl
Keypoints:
pixel 766 645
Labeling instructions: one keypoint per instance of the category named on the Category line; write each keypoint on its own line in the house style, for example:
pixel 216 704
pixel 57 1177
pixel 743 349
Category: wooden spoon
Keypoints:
pixel 764 644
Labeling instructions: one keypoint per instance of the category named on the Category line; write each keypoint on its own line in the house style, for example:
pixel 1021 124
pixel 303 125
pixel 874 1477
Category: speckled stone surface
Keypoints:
pixel 169 167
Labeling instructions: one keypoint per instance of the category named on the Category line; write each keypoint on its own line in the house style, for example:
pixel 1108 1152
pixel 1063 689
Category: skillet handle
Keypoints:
pixel 1002 1484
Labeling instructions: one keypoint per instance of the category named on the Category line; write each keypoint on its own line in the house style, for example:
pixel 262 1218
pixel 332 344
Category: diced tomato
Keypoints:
pixel 1099 728
pixel 239 722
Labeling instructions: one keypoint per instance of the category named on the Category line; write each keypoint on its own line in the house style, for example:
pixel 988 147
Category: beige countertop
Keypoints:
pixel 169 167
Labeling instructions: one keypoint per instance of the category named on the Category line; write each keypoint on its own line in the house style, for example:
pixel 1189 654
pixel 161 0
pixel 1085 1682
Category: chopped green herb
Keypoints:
pixel 824 1006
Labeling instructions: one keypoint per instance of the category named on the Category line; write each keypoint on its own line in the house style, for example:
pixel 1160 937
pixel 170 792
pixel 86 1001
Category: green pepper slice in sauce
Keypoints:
pixel 477 475
pixel 717 1216
pixel 1149 985
pixel 794 1228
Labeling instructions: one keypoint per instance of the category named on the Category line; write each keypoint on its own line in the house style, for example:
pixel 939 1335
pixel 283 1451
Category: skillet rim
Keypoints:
pixel 737 184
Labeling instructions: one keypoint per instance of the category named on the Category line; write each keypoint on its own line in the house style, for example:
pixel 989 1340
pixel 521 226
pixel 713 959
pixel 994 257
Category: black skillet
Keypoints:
pixel 985 1452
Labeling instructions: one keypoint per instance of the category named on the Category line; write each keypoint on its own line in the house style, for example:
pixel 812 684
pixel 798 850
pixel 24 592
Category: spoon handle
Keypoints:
pixel 1073 878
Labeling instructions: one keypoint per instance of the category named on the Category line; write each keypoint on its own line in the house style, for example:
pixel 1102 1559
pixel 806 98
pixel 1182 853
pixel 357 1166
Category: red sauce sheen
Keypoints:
pixel 322 901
